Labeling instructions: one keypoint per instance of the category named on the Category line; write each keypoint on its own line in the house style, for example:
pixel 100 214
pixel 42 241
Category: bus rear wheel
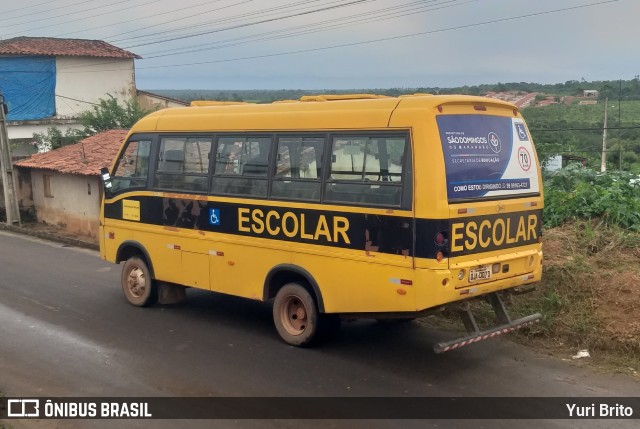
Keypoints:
pixel 137 284
pixel 295 315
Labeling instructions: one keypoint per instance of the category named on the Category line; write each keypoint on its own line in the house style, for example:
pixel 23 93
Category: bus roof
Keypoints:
pixel 344 111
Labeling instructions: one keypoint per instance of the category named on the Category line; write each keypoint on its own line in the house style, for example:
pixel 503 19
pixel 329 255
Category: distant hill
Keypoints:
pixel 626 89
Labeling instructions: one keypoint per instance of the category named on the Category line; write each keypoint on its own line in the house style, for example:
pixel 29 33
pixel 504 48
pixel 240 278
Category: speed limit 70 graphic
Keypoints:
pixel 524 158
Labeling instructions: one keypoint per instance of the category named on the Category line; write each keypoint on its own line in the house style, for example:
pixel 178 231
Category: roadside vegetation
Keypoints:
pixel 590 292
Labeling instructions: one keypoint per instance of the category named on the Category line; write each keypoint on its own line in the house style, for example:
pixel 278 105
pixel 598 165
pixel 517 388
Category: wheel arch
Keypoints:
pixel 282 274
pixel 130 248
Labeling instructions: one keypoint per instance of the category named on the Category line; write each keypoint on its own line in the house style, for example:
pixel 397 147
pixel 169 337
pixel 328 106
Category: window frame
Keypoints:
pixel 46 185
pixel 270 164
pixel 406 176
pixel 319 179
pixel 153 155
pixel 156 164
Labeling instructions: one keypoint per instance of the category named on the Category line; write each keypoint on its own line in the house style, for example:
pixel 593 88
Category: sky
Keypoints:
pixel 344 44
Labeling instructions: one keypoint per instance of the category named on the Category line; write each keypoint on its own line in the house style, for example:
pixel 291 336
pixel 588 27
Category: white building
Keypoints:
pixel 50 82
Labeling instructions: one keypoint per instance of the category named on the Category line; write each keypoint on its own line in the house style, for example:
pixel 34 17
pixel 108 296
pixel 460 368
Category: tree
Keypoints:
pixel 54 138
pixel 108 115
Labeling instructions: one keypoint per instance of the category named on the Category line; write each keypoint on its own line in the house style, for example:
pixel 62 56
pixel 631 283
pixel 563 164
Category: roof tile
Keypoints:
pixel 85 158
pixel 62 47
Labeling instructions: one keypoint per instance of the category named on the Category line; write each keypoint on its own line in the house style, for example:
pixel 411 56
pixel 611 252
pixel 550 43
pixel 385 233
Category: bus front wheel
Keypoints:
pixel 295 315
pixel 137 284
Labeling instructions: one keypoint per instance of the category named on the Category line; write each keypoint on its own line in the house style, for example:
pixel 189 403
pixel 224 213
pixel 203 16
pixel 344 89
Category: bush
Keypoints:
pixel 576 193
pixel 109 115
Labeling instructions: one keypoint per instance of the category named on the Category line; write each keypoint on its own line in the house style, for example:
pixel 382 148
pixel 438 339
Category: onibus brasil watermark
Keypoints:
pixel 70 408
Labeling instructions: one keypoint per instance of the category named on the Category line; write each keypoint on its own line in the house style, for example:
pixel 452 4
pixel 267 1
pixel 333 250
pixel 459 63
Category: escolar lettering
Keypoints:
pixel 488 233
pixel 332 229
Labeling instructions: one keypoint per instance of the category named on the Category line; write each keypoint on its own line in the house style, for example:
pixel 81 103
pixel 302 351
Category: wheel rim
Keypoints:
pixel 136 282
pixel 294 315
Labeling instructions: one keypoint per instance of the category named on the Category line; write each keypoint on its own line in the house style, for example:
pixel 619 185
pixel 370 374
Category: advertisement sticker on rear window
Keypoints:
pixel 487 156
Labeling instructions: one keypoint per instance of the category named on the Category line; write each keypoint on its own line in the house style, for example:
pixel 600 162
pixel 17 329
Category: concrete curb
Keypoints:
pixel 50 236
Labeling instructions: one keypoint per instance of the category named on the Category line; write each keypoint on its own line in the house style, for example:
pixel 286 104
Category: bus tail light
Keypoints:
pixel 441 240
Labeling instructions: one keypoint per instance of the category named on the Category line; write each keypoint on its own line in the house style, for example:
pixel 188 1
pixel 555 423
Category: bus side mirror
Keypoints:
pixel 106 181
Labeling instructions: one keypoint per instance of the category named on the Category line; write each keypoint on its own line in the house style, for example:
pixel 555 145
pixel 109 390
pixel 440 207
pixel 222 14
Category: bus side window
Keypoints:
pixel 242 166
pixel 298 168
pixel 366 170
pixel 132 167
pixel 183 163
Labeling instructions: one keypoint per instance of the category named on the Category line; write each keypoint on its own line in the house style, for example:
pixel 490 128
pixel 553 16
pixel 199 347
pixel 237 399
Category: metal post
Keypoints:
pixel 603 165
pixel 6 167
pixel 620 127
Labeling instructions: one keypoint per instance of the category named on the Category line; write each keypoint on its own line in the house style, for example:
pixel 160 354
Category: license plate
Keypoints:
pixel 480 273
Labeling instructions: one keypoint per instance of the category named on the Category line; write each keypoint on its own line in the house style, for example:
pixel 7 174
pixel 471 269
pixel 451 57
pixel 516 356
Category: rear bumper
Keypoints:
pixel 440 287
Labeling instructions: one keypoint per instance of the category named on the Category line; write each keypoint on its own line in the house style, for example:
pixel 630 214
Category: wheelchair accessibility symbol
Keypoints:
pixel 522 132
pixel 214 216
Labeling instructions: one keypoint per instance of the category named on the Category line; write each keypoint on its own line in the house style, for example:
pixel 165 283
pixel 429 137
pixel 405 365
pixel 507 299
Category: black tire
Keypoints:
pixel 295 315
pixel 138 286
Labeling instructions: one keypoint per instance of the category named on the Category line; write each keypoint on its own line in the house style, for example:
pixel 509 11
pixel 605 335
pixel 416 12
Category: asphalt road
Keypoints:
pixel 66 330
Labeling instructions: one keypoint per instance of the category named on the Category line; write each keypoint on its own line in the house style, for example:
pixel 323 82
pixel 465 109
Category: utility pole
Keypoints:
pixel 603 165
pixel 620 127
pixel 6 167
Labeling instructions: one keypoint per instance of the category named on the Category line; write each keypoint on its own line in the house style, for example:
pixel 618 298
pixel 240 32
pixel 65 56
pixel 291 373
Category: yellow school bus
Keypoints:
pixel 334 206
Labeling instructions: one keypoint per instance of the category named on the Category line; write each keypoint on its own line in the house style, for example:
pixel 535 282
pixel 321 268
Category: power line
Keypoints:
pixel 324 9
pixel 139 19
pixel 263 12
pixel 335 22
pixel 308 29
pixel 29 7
pixel 44 11
pixel 75 99
pixel 632 127
pixel 95 15
pixel 422 33
pixel 242 15
pixel 375 40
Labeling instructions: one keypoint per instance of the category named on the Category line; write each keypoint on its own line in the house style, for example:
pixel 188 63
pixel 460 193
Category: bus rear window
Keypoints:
pixel 487 156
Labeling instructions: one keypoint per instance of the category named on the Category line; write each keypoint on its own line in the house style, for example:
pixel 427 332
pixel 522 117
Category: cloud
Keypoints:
pixel 593 42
